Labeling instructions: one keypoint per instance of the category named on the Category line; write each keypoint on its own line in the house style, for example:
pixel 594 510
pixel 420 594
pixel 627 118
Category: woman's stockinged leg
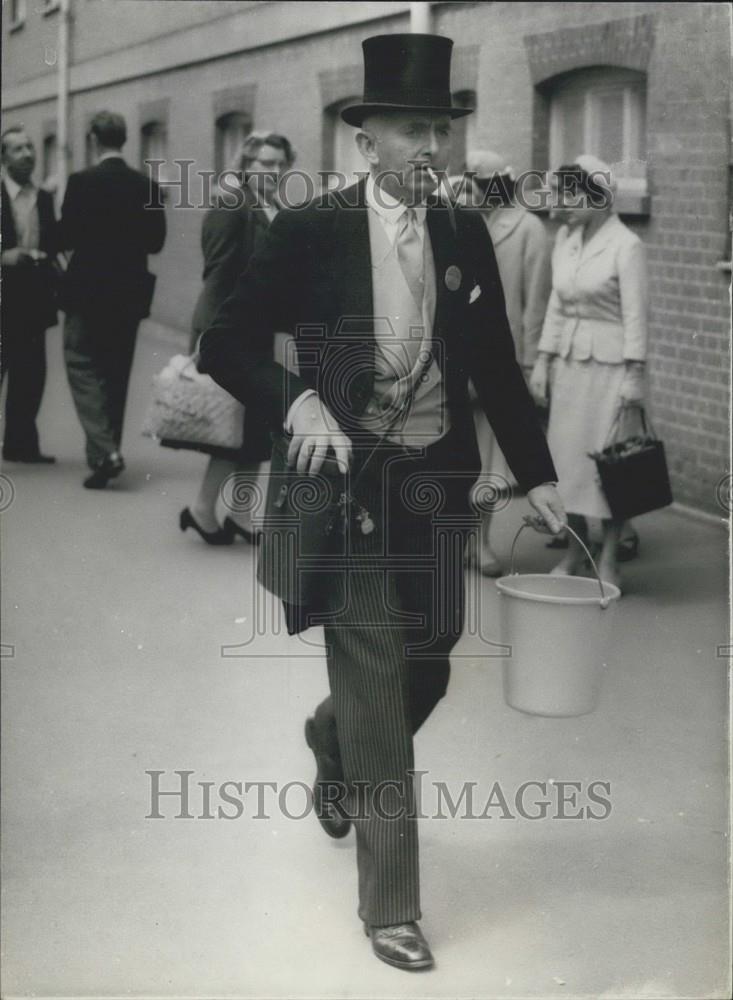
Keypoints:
pixel 573 559
pixel 204 508
pixel 607 563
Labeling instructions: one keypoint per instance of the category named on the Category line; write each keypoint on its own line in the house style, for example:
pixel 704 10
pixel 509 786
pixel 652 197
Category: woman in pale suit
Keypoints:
pixel 523 258
pixel 595 336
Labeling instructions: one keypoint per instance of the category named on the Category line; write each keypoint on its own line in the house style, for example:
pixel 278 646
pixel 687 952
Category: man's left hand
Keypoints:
pixel 547 502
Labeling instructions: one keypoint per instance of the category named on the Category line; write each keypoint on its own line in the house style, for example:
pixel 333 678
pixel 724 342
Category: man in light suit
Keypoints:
pixel 522 251
pixel 523 258
pixel 390 305
pixel 112 218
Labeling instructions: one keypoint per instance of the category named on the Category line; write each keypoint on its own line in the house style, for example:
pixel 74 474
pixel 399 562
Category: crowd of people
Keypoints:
pixel 577 315
pixel 105 234
pixel 554 335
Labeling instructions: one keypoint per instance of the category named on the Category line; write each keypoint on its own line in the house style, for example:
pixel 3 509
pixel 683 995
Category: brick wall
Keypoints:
pixel 685 50
pixel 690 312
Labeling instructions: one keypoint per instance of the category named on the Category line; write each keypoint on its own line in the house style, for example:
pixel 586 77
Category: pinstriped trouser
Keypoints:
pixel 382 686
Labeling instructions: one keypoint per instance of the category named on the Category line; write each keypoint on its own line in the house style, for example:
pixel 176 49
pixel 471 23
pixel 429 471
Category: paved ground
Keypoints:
pixel 117 623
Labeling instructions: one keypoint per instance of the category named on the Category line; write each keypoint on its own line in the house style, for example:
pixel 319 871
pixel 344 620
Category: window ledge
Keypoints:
pixel 724 265
pixel 626 206
pixel 17 25
pixel 50 8
pixel 633 205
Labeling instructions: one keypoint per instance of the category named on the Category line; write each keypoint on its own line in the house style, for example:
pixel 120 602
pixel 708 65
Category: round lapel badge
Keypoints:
pixel 453 278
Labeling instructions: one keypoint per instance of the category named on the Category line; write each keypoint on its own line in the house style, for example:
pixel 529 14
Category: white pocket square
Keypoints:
pixel 475 292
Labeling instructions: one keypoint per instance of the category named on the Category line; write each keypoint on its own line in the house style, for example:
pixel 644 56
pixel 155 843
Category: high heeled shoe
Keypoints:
pixel 253 537
pixel 222 536
pixel 628 547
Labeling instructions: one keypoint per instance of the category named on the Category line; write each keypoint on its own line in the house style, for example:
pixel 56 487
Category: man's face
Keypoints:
pixel 19 157
pixel 408 143
pixel 265 171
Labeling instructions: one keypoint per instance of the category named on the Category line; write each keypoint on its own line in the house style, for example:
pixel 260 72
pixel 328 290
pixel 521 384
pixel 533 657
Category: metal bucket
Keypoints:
pixel 559 631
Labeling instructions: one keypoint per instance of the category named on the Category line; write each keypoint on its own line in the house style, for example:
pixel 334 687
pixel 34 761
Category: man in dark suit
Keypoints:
pixel 394 301
pixel 112 218
pixel 28 294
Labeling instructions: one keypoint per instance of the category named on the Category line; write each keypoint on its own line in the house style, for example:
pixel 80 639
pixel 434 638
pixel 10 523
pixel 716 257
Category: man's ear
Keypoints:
pixel 367 146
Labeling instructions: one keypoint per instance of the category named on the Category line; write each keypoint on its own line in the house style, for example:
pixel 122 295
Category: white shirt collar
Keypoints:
pixel 14 189
pixel 111 154
pixel 269 210
pixel 389 209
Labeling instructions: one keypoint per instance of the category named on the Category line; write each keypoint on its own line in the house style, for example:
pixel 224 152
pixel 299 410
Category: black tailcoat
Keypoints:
pixel 311 276
pixel 229 237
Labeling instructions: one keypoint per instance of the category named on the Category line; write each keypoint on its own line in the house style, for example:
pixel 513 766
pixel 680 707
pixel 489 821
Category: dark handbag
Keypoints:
pixel 633 470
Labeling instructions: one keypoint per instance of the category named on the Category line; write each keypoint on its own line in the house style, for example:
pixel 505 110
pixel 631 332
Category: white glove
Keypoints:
pixel 632 387
pixel 539 379
pixel 548 503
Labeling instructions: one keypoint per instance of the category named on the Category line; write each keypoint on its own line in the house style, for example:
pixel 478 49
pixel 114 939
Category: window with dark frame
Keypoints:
pixel 154 146
pixel 231 131
pixel 601 110
pixel 463 131
pixel 342 155
pixel 50 158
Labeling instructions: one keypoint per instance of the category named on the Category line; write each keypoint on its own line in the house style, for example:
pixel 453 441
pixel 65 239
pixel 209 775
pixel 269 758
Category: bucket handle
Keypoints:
pixel 529 523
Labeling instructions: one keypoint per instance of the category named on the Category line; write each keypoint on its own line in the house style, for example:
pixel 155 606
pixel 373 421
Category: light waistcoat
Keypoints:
pixel 403 339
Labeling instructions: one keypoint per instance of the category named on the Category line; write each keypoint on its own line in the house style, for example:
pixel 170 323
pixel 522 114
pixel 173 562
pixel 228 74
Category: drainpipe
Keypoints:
pixel 62 106
pixel 420 18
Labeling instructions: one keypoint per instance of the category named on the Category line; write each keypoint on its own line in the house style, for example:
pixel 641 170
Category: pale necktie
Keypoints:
pixel 26 218
pixel 410 254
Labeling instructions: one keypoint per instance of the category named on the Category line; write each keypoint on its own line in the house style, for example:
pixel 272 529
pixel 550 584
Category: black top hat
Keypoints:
pixel 405 73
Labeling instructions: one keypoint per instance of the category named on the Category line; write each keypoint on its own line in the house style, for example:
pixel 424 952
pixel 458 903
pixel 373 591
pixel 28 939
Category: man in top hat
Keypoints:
pixel 390 297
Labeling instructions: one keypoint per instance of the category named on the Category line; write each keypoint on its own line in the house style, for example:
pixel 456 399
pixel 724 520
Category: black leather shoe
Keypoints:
pixel 32 458
pixel 328 771
pixel 222 536
pixel 401 945
pixel 108 468
pixel 253 537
